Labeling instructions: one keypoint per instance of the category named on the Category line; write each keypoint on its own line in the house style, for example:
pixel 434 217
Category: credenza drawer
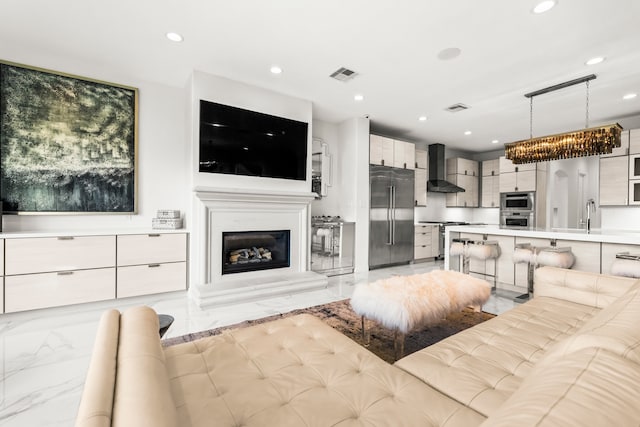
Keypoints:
pixel 423 239
pixel 137 249
pixel 151 279
pixel 48 254
pixel 31 291
pixel 422 252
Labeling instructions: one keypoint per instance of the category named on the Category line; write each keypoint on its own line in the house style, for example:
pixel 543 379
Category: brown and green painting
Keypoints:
pixel 66 144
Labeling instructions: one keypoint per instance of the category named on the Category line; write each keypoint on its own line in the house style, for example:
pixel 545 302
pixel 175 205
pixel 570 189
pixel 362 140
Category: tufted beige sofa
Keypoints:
pixel 569 357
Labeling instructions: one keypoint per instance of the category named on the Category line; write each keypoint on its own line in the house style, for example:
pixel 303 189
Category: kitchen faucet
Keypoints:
pixel 591 204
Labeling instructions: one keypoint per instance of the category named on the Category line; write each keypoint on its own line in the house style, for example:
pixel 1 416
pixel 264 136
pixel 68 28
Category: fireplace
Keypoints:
pixel 244 251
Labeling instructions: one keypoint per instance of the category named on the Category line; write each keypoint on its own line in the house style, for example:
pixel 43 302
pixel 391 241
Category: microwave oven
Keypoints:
pixel 518 220
pixel 517 201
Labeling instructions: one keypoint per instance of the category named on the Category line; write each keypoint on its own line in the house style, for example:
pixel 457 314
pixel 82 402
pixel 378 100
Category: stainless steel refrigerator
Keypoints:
pixel 391 229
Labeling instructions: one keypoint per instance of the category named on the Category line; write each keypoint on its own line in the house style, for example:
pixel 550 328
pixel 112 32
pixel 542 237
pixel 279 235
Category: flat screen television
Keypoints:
pixel 242 142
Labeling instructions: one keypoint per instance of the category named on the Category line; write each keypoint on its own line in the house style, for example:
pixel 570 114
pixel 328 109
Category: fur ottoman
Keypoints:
pixel 405 303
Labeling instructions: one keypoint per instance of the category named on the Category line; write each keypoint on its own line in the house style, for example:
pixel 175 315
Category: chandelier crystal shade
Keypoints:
pixel 580 143
pixel 585 142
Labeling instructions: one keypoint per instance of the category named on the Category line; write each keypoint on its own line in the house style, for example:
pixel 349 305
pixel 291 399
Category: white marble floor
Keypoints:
pixel 45 353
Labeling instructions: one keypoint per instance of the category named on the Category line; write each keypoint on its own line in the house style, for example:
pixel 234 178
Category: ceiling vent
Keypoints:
pixel 343 74
pixel 457 107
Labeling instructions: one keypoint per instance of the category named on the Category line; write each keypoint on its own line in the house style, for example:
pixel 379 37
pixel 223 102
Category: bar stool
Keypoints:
pixel 483 250
pixel 524 253
pixel 459 247
pixel 626 264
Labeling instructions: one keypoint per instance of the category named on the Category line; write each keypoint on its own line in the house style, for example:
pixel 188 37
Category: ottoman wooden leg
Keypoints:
pixel 366 337
pixel 398 344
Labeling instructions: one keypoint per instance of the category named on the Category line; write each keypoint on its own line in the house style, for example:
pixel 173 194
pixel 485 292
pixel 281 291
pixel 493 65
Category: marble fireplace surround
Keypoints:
pixel 219 210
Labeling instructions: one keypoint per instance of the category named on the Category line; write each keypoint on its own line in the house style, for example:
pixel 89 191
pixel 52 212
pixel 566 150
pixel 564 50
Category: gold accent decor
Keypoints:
pixel 584 142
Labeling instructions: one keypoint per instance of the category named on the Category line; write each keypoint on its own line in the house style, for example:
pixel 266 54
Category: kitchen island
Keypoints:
pixel 595 251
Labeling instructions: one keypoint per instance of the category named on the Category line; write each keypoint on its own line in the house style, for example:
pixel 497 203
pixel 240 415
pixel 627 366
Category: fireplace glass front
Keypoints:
pixel 244 251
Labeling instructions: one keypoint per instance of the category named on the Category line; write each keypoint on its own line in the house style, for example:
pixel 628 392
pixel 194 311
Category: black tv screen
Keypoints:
pixel 242 142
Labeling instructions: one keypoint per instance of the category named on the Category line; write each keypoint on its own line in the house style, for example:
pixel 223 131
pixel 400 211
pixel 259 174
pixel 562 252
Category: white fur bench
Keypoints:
pixel 405 303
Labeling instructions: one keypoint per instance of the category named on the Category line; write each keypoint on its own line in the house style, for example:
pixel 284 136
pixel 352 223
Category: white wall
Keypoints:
pixel 620 218
pixel 224 91
pixel 162 150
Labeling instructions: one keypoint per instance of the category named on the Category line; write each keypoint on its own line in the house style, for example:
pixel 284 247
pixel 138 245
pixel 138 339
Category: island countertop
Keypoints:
pixel 631 237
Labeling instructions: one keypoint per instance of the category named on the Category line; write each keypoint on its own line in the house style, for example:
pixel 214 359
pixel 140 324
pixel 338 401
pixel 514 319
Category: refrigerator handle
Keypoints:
pixel 393 215
pixel 389 216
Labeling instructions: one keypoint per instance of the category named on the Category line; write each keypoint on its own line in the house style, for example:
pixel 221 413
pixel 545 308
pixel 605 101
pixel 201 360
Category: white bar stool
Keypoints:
pixel 460 247
pixel 626 264
pixel 524 253
pixel 483 250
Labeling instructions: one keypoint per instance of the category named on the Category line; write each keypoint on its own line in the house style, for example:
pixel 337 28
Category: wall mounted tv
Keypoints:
pixel 243 142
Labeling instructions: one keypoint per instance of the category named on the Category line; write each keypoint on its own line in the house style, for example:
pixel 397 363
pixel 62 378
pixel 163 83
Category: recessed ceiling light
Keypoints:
pixel 468 132
pixel 495 141
pixel 358 97
pixel 630 96
pixel 595 60
pixel 276 70
pixel 449 53
pixel 174 37
pixel 544 6
pixel 422 118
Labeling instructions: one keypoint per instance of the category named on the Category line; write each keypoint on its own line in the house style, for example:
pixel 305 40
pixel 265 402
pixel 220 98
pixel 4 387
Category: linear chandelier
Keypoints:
pixel 585 142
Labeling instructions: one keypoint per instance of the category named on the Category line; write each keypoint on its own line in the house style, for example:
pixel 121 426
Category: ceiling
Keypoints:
pixel 506 51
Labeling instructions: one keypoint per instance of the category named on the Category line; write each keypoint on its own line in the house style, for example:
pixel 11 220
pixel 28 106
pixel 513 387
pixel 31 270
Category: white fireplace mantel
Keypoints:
pixel 223 209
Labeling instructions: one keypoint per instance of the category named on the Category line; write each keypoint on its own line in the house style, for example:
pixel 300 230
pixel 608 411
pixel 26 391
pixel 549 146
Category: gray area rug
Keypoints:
pixel 341 317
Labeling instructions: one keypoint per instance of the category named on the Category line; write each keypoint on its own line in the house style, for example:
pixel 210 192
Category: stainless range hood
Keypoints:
pixel 436 182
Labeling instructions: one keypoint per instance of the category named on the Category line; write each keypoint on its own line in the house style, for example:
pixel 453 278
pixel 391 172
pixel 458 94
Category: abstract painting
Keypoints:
pixel 67 144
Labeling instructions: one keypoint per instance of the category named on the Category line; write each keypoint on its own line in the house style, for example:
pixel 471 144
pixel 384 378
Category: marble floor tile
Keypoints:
pixel 45 353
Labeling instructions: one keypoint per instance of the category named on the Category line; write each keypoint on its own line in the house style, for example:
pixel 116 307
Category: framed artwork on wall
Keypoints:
pixel 68 145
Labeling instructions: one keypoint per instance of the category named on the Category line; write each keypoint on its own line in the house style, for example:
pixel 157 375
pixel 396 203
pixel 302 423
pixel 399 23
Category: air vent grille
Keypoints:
pixel 457 107
pixel 343 74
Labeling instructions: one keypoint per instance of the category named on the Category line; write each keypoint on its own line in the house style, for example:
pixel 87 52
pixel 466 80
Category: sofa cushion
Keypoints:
pixel 581 287
pixel 616 329
pixel 482 366
pixel 142 396
pixel 589 387
pixel 298 371
pixel 96 404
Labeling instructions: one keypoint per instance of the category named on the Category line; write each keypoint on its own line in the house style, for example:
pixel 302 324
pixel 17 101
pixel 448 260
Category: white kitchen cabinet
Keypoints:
pixel 634 192
pixel 422 159
pixel 42 290
pixel 524 177
pixel 623 150
pixel 461 166
pixel 64 253
pixel 390 152
pixel 420 187
pixel 151 278
pixel 490 194
pixel 614 181
pixel 426 241
pixel 1 275
pixel 151 263
pixel 634 141
pixel 465 174
pixel 43 271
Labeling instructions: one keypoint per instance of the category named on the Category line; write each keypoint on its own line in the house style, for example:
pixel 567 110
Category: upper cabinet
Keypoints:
pixel 623 150
pixel 391 152
pixel 421 174
pixel 620 172
pixel 523 177
pixel 463 173
pixel 634 141
pixel 490 195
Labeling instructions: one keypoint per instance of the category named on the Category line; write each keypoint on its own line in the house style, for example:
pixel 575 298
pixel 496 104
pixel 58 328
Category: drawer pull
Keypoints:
pixel 65 237
pixel 65 273
pixel 154 235
pixel 154 265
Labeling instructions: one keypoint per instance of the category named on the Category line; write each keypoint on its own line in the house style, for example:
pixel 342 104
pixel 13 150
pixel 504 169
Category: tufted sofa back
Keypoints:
pixel 581 287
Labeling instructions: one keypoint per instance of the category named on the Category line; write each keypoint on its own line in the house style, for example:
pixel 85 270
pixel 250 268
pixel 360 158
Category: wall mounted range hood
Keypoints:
pixel 436 182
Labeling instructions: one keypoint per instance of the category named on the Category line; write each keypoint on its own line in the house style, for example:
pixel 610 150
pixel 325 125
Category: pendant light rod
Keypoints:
pixel 561 86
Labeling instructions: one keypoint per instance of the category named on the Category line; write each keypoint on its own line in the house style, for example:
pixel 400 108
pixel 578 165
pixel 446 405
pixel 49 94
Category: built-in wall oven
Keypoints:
pixel 517 210
pixel 517 201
